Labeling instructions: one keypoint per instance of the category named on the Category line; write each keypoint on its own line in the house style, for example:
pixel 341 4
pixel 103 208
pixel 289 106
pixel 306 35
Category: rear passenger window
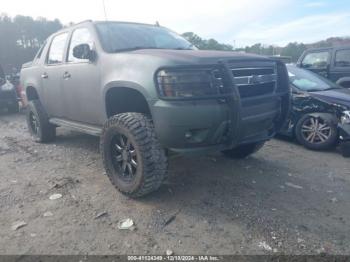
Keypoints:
pixel 57 49
pixel 80 36
pixel 342 58
pixel 316 60
pixel 38 55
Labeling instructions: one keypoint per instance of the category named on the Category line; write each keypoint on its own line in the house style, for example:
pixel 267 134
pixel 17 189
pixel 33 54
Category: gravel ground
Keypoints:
pixel 284 199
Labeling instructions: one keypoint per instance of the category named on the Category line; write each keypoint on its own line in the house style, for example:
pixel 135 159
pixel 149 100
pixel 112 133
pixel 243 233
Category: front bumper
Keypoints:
pixel 206 125
pixel 219 123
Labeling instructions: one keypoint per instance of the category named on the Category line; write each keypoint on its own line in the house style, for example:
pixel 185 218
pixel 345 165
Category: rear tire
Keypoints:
pixel 39 127
pixel 316 133
pixel 132 156
pixel 243 151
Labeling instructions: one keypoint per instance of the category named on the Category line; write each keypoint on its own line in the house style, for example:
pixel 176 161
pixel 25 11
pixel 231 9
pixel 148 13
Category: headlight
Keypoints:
pixel 190 83
pixel 345 117
pixel 7 86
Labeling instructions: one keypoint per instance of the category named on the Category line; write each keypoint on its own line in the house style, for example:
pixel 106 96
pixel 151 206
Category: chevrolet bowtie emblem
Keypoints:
pixel 254 79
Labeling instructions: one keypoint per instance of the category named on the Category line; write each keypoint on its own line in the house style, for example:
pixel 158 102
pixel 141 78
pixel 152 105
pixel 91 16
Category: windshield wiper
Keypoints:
pixel 135 48
pixel 314 90
pixel 182 48
pixel 190 47
pixel 331 88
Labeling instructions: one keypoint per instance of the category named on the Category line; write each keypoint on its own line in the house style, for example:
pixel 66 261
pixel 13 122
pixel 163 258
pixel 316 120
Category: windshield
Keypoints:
pixel 117 37
pixel 308 81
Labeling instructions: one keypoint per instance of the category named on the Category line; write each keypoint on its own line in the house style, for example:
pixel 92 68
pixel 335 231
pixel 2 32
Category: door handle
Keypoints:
pixel 44 76
pixel 66 75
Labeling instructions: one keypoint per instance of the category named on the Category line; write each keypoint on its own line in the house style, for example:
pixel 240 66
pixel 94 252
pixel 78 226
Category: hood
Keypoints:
pixel 197 56
pixel 339 96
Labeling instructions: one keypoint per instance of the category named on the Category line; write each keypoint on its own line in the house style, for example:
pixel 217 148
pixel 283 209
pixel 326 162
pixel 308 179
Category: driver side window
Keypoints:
pixel 317 60
pixel 80 36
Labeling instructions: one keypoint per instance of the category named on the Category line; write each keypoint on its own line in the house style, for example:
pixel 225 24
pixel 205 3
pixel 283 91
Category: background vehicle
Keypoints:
pixel 8 94
pixel 145 89
pixel 332 63
pixel 14 79
pixel 320 113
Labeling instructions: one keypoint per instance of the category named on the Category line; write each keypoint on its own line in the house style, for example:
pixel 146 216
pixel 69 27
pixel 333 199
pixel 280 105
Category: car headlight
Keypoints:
pixel 345 117
pixel 7 86
pixel 190 83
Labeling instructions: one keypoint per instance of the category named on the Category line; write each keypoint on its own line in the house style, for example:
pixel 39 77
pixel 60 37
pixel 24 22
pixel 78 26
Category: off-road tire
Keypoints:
pixel 46 132
pixel 329 143
pixel 152 162
pixel 243 151
pixel 13 108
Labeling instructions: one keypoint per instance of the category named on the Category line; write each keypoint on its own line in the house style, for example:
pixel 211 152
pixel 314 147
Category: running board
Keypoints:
pixel 83 128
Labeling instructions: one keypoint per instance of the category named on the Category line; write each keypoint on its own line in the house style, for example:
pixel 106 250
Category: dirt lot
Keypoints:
pixel 283 199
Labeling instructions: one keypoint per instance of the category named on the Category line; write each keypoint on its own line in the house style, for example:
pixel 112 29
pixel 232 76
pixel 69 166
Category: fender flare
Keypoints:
pixel 31 86
pixel 124 84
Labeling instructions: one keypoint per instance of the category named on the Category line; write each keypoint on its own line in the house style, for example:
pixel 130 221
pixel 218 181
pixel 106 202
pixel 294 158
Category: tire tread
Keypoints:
pixel 155 162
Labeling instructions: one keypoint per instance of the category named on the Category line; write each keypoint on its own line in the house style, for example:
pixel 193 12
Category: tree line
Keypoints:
pixel 292 50
pixel 21 37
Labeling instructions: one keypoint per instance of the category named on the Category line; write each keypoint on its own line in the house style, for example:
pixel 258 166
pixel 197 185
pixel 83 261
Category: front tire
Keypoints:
pixel 132 156
pixel 316 133
pixel 243 151
pixel 39 127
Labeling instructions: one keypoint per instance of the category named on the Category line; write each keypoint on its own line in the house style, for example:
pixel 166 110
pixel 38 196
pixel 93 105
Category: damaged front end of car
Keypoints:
pixel 336 114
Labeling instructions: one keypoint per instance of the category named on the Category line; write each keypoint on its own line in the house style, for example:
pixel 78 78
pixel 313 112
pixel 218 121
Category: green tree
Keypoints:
pixel 206 44
pixel 294 50
pixel 21 37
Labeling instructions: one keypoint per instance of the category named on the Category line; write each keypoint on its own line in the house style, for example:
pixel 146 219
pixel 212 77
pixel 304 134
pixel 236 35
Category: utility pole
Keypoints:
pixel 104 9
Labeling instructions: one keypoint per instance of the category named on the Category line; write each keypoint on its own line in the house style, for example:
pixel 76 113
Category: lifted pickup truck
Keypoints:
pixel 330 62
pixel 145 90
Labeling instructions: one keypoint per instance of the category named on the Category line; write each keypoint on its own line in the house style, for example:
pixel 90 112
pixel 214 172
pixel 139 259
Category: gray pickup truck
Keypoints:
pixel 145 91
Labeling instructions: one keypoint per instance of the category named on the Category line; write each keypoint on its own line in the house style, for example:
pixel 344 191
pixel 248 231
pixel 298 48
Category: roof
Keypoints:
pixel 102 22
pixel 125 22
pixel 327 48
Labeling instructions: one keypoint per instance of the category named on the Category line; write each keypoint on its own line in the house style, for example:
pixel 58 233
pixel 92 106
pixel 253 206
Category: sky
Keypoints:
pixel 236 22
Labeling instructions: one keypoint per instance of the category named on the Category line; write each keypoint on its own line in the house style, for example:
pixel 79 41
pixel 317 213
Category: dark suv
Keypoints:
pixel 332 63
pixel 145 90
pixel 8 94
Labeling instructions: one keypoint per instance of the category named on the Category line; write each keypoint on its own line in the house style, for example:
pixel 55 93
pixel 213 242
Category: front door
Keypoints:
pixel 317 62
pixel 81 82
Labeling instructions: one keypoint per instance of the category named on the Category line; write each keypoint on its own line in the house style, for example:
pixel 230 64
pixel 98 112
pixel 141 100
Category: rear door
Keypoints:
pixel 51 76
pixel 341 66
pixel 317 61
pixel 81 82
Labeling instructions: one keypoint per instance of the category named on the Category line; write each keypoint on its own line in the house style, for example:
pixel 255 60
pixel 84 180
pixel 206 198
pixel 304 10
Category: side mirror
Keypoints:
pixel 83 51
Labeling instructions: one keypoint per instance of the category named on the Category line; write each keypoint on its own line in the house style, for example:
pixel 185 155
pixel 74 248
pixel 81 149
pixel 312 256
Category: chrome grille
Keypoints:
pixel 255 81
